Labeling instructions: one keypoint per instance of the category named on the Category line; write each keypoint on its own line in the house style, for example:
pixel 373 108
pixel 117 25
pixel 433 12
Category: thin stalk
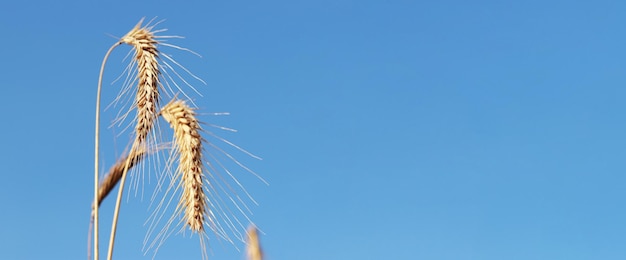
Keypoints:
pixel 118 202
pixel 97 155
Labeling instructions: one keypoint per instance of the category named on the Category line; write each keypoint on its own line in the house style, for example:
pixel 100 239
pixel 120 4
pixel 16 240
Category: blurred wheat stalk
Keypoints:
pixel 254 245
pixel 195 203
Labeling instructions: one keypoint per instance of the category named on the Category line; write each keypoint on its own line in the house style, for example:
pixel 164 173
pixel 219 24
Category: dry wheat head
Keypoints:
pixel 188 145
pixel 143 41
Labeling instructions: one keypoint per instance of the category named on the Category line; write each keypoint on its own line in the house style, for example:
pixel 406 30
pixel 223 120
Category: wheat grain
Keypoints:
pixel 188 146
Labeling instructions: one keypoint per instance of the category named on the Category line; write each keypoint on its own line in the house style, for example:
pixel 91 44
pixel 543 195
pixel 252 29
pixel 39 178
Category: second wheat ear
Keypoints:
pixel 188 148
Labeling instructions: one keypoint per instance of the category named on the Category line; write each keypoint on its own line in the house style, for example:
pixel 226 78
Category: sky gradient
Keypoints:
pixel 442 130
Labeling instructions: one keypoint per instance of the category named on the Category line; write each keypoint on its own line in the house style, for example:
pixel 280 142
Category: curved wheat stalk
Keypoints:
pixel 97 152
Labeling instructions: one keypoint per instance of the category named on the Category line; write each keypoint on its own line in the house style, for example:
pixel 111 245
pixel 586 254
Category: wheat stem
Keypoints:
pixel 108 183
pixel 97 149
pixel 118 202
pixel 106 186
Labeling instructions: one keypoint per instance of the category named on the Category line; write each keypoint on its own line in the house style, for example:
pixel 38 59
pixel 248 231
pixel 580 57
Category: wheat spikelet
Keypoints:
pixel 146 53
pixel 253 246
pixel 188 145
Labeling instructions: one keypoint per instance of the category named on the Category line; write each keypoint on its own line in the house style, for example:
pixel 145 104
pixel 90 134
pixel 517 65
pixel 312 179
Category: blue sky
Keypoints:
pixel 388 129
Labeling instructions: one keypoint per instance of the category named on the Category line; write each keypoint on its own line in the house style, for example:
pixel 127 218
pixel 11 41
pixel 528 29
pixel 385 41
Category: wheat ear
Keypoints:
pixel 188 148
pixel 146 53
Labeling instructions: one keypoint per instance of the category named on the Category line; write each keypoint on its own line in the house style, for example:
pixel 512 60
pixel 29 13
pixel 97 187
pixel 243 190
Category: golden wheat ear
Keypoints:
pixel 253 246
pixel 188 148
pixel 142 39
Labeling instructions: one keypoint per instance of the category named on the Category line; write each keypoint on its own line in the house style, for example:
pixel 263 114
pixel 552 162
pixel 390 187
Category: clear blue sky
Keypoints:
pixel 443 130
